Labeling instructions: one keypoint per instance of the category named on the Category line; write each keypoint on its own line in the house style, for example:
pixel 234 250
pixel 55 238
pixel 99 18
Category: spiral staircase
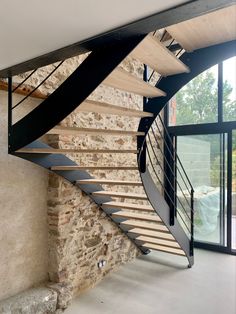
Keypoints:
pixel 161 216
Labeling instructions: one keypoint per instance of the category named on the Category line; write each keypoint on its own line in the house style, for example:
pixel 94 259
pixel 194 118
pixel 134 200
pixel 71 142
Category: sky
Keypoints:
pixel 229 74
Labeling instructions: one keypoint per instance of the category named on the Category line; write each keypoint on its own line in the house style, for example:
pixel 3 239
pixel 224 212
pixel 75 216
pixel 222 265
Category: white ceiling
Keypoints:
pixel 31 28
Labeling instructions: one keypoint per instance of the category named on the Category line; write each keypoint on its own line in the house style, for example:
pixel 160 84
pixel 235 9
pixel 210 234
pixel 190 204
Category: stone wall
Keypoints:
pixel 80 233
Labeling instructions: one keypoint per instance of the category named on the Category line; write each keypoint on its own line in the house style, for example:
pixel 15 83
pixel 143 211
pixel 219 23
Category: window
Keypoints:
pixel 201 121
pixel 229 89
pixel 197 102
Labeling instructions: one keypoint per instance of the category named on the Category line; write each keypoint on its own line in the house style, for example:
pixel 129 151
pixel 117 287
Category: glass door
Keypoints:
pixel 233 197
pixel 204 158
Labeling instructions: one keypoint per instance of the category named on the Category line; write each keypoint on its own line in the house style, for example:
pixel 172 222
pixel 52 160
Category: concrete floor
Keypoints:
pixel 160 283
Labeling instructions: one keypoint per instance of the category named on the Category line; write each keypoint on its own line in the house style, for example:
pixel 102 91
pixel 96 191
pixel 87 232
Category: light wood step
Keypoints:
pixel 121 194
pixel 71 168
pixel 112 204
pixel 162 248
pixel 153 234
pixel 124 214
pixel 145 225
pixel 72 150
pixel 121 79
pixel 61 130
pixel 105 108
pixel 146 239
pixel 153 53
pixel 206 30
pixel 110 182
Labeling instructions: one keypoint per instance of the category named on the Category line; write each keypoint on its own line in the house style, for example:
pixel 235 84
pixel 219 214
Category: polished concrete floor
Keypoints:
pixel 157 283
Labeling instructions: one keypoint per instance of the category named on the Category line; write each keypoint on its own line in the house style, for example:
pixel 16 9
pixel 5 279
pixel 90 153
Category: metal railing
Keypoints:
pixel 27 90
pixel 165 166
pixel 159 157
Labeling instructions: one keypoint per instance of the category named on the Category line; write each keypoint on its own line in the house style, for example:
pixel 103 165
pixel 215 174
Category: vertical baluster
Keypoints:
pixel 142 158
pixel 9 112
pixel 192 222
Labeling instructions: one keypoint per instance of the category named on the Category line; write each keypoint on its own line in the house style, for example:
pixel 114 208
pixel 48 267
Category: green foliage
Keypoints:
pixel 197 101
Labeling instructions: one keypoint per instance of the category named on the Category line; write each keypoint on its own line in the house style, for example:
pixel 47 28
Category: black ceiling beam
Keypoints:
pixel 143 26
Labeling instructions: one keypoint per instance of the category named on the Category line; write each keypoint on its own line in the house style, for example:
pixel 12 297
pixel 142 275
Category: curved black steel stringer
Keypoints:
pixel 49 160
pixel 197 61
pixel 162 209
pixel 78 86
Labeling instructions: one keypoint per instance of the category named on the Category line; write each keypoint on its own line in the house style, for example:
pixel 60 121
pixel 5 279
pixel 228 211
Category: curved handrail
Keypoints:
pixel 178 221
pixel 171 195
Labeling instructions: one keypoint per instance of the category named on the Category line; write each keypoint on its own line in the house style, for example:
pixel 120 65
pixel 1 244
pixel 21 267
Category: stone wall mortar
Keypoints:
pixel 80 233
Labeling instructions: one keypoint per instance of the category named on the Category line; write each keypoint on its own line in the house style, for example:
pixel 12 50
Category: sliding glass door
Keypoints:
pixel 233 198
pixel 204 158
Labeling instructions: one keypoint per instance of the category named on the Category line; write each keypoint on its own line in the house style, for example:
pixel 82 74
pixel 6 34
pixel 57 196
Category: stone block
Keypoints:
pixel 37 300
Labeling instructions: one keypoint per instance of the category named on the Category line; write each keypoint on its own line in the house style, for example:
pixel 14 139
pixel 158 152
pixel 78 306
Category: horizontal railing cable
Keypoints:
pixel 169 166
pixel 21 83
pixel 165 175
pixel 166 193
pixel 34 89
pixel 172 156
pixel 168 135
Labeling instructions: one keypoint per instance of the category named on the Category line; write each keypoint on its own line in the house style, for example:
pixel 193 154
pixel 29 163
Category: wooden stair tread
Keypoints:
pixel 153 234
pixel 121 194
pixel 105 108
pixel 121 79
pixel 145 217
pixel 145 225
pixel 162 248
pixel 206 30
pixel 153 53
pixel 72 150
pixel 112 182
pixel 71 168
pixel 167 243
pixel 62 130
pixel 128 206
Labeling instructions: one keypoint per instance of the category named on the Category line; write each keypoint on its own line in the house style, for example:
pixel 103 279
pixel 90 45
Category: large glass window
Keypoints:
pixel 229 89
pixel 204 159
pixel 202 119
pixel 197 102
pixel 234 190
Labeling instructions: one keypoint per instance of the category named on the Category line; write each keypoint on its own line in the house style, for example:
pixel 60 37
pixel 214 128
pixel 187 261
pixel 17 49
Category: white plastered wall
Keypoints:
pixel 23 218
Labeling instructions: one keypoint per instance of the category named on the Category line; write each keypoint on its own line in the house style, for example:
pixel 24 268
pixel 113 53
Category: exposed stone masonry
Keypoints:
pixel 80 233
